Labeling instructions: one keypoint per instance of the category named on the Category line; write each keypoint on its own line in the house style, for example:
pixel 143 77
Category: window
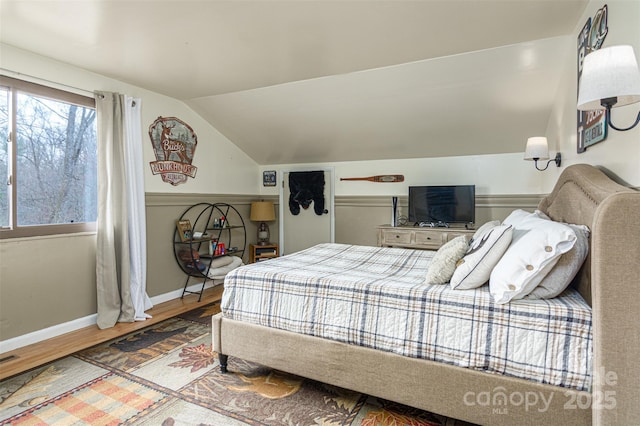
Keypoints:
pixel 47 159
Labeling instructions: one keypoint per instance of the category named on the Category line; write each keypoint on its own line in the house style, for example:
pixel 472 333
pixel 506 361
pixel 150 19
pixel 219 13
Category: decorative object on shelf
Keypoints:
pixel 379 178
pixel 394 211
pixel 174 144
pixel 592 125
pixel 610 78
pixel 263 212
pixel 220 249
pixel 538 149
pixel 184 229
pixel 190 258
pixel 269 178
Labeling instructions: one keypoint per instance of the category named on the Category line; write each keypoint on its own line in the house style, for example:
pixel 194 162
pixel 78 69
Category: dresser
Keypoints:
pixel 426 238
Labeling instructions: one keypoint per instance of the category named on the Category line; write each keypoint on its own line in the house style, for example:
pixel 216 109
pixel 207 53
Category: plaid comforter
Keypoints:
pixel 376 297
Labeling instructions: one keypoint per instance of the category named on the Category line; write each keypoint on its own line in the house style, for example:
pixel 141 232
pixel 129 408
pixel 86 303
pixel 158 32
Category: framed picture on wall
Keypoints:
pixel 269 178
pixel 184 230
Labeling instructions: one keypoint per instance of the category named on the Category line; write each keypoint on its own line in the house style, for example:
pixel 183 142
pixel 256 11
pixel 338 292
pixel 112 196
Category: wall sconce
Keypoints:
pixel 610 78
pixel 538 149
pixel 262 211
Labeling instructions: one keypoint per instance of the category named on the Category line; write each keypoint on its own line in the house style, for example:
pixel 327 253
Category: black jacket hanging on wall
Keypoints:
pixel 305 187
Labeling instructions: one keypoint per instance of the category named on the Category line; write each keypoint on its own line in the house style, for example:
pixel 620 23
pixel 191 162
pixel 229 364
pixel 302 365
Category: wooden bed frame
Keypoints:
pixel 609 281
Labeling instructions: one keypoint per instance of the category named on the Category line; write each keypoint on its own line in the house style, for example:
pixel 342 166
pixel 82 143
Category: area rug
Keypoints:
pixel 168 375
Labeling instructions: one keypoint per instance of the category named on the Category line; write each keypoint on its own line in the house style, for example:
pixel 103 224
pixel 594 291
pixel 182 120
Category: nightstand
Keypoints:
pixel 258 253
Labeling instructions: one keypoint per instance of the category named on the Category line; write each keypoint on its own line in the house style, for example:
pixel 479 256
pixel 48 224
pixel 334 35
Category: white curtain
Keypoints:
pixel 121 227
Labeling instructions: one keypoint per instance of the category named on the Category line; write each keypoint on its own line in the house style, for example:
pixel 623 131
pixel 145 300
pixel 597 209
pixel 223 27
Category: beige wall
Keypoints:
pixel 46 281
pixel 163 274
pixel 492 174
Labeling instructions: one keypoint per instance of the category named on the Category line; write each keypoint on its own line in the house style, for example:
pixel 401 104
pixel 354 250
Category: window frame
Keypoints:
pixel 12 231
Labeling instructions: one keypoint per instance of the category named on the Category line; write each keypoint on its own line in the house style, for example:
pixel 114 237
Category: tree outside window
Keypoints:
pixel 48 156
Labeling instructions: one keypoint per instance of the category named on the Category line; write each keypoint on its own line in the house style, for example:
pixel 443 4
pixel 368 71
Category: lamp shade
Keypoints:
pixel 537 148
pixel 262 211
pixel 607 73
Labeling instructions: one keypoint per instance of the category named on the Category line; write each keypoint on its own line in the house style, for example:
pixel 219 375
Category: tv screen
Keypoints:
pixel 442 205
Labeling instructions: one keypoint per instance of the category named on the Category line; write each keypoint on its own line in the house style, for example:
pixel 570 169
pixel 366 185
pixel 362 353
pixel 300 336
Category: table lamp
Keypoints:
pixel 263 211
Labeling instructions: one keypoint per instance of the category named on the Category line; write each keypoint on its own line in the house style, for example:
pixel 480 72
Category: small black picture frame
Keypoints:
pixel 269 178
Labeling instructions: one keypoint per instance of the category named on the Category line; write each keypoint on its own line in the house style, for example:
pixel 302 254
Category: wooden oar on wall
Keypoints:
pixel 379 178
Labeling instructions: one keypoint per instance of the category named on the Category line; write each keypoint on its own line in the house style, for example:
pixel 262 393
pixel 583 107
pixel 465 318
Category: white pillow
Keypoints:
pixel 536 246
pixel 561 275
pixel 484 228
pixel 543 215
pixel 444 261
pixel 517 218
pixel 219 262
pixel 484 252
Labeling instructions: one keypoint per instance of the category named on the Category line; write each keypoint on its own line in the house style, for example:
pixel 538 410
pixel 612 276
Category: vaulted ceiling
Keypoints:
pixel 324 81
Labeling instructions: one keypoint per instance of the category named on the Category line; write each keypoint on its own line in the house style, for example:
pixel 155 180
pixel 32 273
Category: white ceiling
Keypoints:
pixel 324 81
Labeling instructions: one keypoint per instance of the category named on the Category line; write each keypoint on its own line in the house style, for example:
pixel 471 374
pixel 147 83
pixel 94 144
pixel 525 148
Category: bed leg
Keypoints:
pixel 223 362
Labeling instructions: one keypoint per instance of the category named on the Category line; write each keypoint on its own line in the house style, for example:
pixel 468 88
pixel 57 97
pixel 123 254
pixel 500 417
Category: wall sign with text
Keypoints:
pixel 174 144
pixel 592 125
pixel 269 178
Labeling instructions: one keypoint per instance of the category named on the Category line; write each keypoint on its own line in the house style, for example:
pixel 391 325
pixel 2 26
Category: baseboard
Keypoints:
pixel 46 333
pixel 176 294
pixel 69 326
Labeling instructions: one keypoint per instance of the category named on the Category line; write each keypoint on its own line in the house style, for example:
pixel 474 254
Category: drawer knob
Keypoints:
pixel 397 236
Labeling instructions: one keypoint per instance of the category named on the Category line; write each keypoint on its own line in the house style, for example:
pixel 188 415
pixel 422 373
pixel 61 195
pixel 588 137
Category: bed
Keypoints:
pixel 598 381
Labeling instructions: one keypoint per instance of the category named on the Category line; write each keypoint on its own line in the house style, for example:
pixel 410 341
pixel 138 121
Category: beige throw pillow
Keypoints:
pixel 444 261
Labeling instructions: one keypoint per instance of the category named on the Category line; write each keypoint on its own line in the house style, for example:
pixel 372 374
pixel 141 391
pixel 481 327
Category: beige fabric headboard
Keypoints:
pixel 579 191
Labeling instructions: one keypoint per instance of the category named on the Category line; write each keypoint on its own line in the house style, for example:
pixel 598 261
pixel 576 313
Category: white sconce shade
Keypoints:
pixel 537 148
pixel 611 72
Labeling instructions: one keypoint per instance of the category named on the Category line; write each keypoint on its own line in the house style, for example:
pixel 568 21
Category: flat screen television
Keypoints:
pixel 442 205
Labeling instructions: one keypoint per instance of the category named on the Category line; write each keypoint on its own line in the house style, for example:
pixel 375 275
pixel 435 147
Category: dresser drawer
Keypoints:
pixel 418 238
pixel 429 238
pixel 396 237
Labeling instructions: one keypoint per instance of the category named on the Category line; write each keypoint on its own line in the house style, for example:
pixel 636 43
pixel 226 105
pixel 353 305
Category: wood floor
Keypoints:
pixel 31 356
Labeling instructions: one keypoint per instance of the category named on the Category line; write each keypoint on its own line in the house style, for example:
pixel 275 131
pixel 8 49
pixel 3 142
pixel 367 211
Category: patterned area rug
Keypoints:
pixel 167 375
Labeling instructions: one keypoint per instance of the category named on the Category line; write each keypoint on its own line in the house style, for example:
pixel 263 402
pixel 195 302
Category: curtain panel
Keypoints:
pixel 121 224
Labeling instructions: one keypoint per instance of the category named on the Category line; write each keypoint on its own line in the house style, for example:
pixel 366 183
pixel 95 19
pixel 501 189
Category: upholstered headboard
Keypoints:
pixel 609 281
pixel 580 189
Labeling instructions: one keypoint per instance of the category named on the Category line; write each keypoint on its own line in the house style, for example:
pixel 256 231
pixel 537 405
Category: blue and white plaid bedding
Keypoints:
pixel 376 297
